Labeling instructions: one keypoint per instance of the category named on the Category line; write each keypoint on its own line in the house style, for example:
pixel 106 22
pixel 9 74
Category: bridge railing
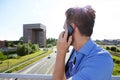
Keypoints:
pixel 16 76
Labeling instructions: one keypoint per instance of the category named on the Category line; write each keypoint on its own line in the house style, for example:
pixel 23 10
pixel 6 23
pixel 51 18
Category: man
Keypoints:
pixel 88 61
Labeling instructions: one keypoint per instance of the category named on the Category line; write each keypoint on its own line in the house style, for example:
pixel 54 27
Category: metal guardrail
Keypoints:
pixel 13 76
pixel 16 76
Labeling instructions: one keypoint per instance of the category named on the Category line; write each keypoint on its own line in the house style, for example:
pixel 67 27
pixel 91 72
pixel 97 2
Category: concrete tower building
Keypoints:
pixel 34 33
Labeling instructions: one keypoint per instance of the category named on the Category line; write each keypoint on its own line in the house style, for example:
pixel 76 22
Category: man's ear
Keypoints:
pixel 73 26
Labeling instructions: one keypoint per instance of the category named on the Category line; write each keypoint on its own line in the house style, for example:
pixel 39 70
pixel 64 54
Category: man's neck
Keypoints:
pixel 80 42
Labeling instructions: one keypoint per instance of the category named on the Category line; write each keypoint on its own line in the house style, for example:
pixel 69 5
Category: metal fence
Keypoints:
pixel 16 76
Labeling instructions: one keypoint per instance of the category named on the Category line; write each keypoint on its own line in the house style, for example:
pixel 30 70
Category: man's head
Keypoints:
pixel 83 18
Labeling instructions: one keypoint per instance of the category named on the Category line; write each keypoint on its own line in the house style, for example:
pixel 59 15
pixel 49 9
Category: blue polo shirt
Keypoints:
pixel 91 62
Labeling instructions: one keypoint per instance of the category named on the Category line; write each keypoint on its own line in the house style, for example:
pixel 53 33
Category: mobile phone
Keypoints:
pixel 70 31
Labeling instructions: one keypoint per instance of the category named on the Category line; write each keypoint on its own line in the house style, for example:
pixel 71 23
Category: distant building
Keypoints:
pixel 34 33
pixel 109 42
pixel 2 44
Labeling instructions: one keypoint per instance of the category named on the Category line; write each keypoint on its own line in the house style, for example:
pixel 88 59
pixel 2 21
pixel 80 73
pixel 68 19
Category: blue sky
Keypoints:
pixel 15 13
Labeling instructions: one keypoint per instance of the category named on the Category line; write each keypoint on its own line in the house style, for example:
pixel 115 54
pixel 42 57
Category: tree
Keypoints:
pixel 118 50
pixel 21 39
pixel 113 49
pixel 108 48
pixel 19 50
pixel 11 44
pixel 51 42
pixel 35 47
pixel 25 49
pixel 22 49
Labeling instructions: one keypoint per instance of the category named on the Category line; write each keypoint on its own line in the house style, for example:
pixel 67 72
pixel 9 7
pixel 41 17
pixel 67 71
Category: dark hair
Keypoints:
pixel 83 18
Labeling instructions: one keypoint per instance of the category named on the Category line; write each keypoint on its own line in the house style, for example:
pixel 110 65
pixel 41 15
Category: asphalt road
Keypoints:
pixel 43 66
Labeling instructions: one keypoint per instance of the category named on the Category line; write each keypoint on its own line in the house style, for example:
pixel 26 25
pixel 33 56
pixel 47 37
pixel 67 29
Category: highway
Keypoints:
pixel 43 66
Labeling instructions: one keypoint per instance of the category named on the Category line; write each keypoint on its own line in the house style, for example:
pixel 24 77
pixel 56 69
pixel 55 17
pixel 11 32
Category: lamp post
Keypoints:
pixel 7 57
pixel 28 45
pixel 5 48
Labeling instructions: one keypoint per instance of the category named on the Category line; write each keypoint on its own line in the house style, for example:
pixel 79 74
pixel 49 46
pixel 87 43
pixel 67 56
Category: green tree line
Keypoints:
pixel 51 42
pixel 27 48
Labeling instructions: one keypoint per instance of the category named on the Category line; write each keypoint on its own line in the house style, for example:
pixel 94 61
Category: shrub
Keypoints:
pixel 118 50
pixel 35 48
pixel 20 50
pixel 113 48
pixel 108 48
pixel 2 56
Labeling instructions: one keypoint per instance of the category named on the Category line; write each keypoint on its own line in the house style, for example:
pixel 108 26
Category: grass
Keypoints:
pixel 29 62
pixel 116 59
pixel 13 62
pixel 116 70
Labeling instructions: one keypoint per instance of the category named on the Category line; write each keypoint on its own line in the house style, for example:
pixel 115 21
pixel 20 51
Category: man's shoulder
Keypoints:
pixel 98 50
pixel 99 54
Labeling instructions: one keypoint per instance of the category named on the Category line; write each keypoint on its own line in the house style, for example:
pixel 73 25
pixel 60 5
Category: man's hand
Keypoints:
pixel 62 44
pixel 62 47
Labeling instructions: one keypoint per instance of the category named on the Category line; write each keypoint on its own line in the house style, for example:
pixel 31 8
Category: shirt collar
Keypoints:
pixel 87 47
